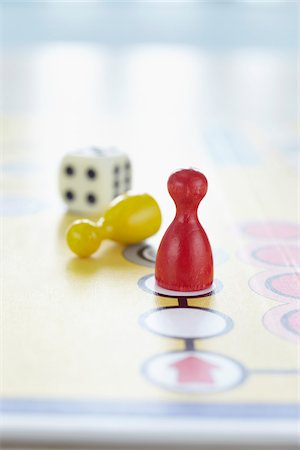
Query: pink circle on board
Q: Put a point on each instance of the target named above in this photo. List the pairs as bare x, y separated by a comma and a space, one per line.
278, 255
292, 321
277, 285
276, 320
286, 284
272, 230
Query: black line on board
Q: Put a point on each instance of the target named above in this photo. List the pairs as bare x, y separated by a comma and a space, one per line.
182, 302
189, 344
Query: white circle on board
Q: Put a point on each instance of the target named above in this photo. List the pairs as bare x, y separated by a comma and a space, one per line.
151, 284
194, 372
186, 323
142, 254
149, 253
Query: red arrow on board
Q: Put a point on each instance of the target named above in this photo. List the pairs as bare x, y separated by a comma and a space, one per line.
194, 370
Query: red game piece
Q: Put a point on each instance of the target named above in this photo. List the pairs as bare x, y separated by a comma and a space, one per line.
184, 259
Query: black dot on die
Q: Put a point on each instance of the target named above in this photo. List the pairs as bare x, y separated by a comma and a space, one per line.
91, 198
127, 180
91, 173
116, 170
69, 170
69, 195
116, 184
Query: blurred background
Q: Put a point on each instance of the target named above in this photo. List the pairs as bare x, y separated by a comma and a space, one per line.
150, 77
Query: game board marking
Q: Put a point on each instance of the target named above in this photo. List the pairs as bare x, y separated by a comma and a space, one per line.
28, 406
276, 321
281, 284
291, 323
259, 284
271, 256
190, 322
194, 371
189, 344
283, 256
182, 302
286, 284
147, 284
148, 253
272, 230
142, 254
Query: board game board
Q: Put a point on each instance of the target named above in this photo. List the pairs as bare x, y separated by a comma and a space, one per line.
93, 354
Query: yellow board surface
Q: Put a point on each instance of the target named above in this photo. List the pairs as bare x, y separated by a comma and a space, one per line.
79, 329
71, 326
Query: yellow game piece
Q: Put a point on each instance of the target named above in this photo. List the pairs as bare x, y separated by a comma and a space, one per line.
84, 237
129, 219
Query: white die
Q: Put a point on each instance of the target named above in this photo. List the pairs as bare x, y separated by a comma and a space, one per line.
91, 178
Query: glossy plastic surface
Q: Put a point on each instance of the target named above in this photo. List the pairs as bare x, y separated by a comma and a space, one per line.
184, 260
129, 219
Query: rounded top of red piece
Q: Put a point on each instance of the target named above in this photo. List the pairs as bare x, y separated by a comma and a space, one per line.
188, 186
